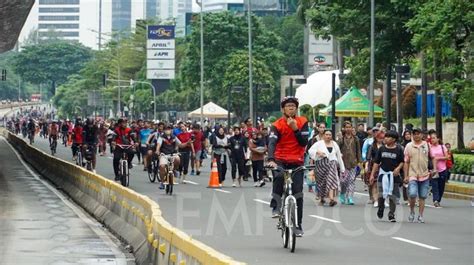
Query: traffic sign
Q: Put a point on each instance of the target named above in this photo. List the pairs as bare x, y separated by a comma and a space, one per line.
160, 74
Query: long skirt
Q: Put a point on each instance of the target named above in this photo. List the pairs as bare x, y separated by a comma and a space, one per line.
327, 176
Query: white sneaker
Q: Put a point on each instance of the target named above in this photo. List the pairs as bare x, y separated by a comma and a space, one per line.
256, 184
234, 184
220, 185
386, 204
376, 204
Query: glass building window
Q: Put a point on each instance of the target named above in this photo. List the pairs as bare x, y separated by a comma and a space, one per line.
58, 2
59, 9
56, 18
59, 34
58, 26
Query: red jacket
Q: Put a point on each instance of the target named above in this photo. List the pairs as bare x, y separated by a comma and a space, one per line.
288, 146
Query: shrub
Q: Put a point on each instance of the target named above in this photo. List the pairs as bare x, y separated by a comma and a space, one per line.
463, 164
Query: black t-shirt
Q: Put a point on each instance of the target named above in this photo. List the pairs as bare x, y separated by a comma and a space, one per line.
389, 158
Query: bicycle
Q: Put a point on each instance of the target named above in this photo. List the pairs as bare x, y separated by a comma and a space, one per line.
53, 145
124, 170
168, 180
287, 221
31, 137
79, 158
153, 168
89, 155
64, 137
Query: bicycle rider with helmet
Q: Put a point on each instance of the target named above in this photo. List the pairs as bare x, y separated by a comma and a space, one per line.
287, 142
91, 136
77, 138
53, 131
123, 135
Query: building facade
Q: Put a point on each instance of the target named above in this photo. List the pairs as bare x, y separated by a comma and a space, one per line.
59, 18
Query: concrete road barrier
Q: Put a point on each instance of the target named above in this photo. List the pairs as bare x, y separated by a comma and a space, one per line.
133, 217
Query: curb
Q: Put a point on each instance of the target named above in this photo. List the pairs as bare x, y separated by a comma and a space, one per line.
462, 178
460, 190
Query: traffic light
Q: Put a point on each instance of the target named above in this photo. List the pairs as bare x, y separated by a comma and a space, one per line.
4, 74
104, 80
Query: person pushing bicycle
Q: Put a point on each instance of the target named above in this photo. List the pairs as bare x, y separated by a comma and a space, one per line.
287, 142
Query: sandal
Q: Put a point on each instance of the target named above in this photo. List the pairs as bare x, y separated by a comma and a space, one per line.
332, 203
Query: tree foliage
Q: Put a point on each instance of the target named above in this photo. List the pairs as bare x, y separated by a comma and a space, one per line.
226, 61
349, 22
51, 62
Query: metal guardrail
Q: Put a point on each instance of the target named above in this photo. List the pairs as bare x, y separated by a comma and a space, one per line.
16, 105
133, 217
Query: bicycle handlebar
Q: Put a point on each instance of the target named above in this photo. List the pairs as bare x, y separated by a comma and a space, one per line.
293, 170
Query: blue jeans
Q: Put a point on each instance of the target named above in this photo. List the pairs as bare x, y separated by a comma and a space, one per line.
418, 189
438, 184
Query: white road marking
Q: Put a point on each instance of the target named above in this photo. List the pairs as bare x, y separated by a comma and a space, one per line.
416, 243
262, 201
191, 182
326, 219
361, 194
224, 191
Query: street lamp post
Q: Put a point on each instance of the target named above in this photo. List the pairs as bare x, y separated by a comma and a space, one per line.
372, 65
200, 3
250, 61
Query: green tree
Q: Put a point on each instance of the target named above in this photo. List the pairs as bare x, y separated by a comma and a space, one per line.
291, 31
442, 28
349, 23
9, 87
225, 43
50, 63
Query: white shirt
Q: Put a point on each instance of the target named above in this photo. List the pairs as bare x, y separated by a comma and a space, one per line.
335, 155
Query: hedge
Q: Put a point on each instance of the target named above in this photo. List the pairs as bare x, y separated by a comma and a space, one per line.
463, 164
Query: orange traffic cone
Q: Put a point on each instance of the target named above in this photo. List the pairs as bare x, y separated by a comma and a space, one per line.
214, 179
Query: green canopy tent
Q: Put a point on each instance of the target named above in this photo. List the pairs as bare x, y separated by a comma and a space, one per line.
352, 104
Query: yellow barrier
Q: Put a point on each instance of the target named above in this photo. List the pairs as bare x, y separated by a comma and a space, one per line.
131, 216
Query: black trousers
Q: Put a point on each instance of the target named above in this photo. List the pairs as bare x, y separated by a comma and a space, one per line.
118, 152
297, 189
221, 166
238, 162
184, 162
257, 168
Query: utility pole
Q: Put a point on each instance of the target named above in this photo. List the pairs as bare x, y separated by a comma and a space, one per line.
202, 67
100, 25
372, 63
250, 62
388, 96
424, 96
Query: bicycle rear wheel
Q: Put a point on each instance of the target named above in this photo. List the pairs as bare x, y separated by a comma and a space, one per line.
292, 225
125, 173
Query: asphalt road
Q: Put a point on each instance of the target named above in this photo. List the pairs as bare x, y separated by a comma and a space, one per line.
236, 221
39, 225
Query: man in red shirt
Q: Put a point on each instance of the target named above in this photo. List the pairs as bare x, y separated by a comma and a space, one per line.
123, 137
77, 138
287, 143
185, 138
249, 127
198, 144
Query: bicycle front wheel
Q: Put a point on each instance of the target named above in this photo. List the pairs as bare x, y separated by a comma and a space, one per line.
291, 226
151, 172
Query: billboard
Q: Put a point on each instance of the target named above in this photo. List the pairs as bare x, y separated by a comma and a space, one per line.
160, 52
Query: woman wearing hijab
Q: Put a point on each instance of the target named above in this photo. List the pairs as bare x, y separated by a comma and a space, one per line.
328, 158
220, 145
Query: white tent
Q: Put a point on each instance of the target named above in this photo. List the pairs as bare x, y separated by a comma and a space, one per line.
317, 89
210, 110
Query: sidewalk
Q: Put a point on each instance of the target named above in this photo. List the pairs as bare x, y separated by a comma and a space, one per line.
41, 226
